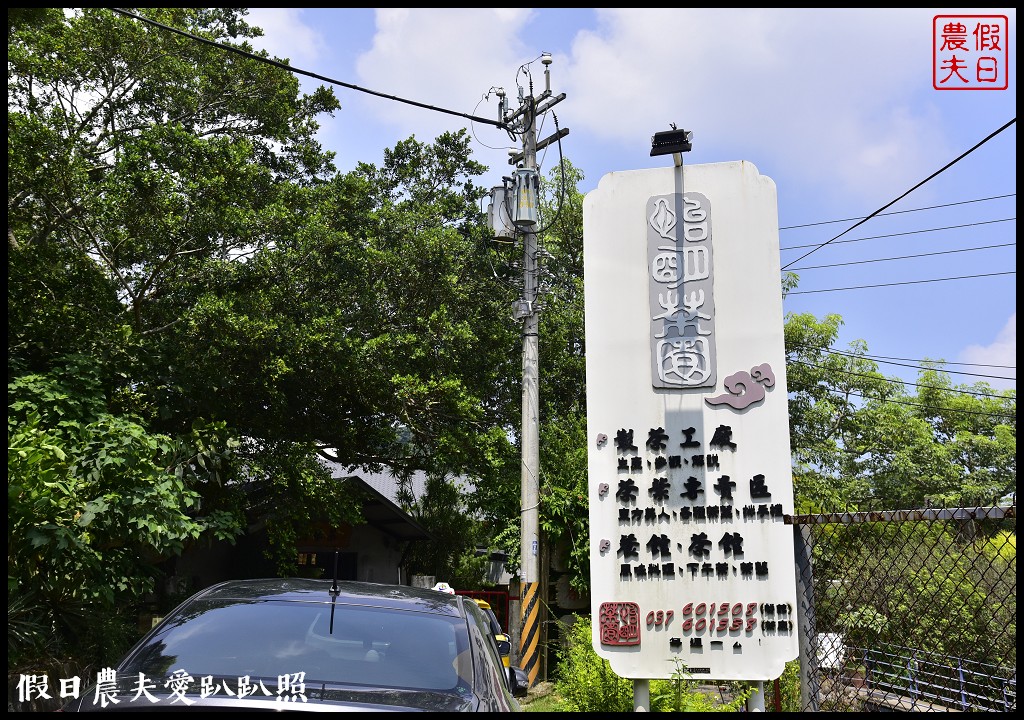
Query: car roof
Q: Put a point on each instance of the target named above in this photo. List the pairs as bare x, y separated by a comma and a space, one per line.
350, 592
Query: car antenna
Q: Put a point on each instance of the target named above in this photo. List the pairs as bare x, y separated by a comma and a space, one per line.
334, 583
334, 591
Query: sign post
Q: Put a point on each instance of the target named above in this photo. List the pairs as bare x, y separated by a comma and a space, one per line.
688, 425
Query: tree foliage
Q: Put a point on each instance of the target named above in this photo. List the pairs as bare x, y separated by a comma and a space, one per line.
860, 439
173, 220
94, 501
200, 307
563, 402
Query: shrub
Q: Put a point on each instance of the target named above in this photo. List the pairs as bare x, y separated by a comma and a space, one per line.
587, 683
585, 680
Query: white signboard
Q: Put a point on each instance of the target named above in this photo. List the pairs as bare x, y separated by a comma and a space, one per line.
692, 566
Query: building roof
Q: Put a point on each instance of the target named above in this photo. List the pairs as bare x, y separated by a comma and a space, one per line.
385, 515
380, 500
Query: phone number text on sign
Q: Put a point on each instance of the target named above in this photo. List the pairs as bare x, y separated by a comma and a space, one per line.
620, 621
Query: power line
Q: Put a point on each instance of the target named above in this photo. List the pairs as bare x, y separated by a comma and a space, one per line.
908, 232
903, 257
893, 202
502, 125
932, 407
904, 382
299, 71
907, 282
898, 212
883, 358
948, 372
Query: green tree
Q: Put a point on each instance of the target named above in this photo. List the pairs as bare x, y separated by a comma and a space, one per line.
860, 439
148, 153
145, 167
374, 334
227, 275
564, 515
172, 217
445, 509
94, 501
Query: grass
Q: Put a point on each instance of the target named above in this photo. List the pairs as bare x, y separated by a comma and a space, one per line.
544, 703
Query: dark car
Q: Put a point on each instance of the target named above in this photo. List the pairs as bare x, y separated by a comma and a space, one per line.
298, 644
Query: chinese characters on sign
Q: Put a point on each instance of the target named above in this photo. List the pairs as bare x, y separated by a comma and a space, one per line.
674, 544
109, 690
970, 52
688, 466
682, 291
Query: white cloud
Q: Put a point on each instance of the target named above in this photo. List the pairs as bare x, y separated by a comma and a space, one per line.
827, 91
443, 57
1002, 351
839, 100
285, 36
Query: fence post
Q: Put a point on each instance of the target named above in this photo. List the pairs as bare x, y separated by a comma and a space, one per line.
963, 684
810, 676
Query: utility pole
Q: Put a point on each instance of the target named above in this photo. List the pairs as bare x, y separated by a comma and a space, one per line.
529, 587
524, 213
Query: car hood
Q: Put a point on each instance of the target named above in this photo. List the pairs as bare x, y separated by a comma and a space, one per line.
317, 699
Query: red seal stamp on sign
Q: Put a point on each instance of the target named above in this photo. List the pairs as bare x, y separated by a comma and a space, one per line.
620, 623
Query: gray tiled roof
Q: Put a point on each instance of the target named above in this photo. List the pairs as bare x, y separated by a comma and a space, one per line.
383, 482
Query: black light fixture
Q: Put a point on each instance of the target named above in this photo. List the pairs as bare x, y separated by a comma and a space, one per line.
671, 141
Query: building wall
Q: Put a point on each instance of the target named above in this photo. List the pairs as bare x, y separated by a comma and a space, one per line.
370, 556
377, 556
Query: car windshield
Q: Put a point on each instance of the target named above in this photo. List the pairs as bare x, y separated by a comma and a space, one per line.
353, 645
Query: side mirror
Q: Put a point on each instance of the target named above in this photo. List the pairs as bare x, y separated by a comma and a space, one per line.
504, 648
519, 682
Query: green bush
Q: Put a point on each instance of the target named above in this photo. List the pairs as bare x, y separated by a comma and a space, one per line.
585, 680
586, 683
681, 693
789, 689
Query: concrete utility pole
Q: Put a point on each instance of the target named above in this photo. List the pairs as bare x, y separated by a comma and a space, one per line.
524, 212
529, 592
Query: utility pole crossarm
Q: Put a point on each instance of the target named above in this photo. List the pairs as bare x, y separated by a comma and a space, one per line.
555, 137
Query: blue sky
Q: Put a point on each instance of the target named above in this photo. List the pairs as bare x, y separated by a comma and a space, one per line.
837, 106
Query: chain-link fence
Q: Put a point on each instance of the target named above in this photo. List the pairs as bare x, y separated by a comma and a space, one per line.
908, 610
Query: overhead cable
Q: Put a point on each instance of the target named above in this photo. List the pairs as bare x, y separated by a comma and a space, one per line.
902, 257
908, 232
299, 71
941, 170
903, 382
948, 372
907, 282
898, 212
914, 360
